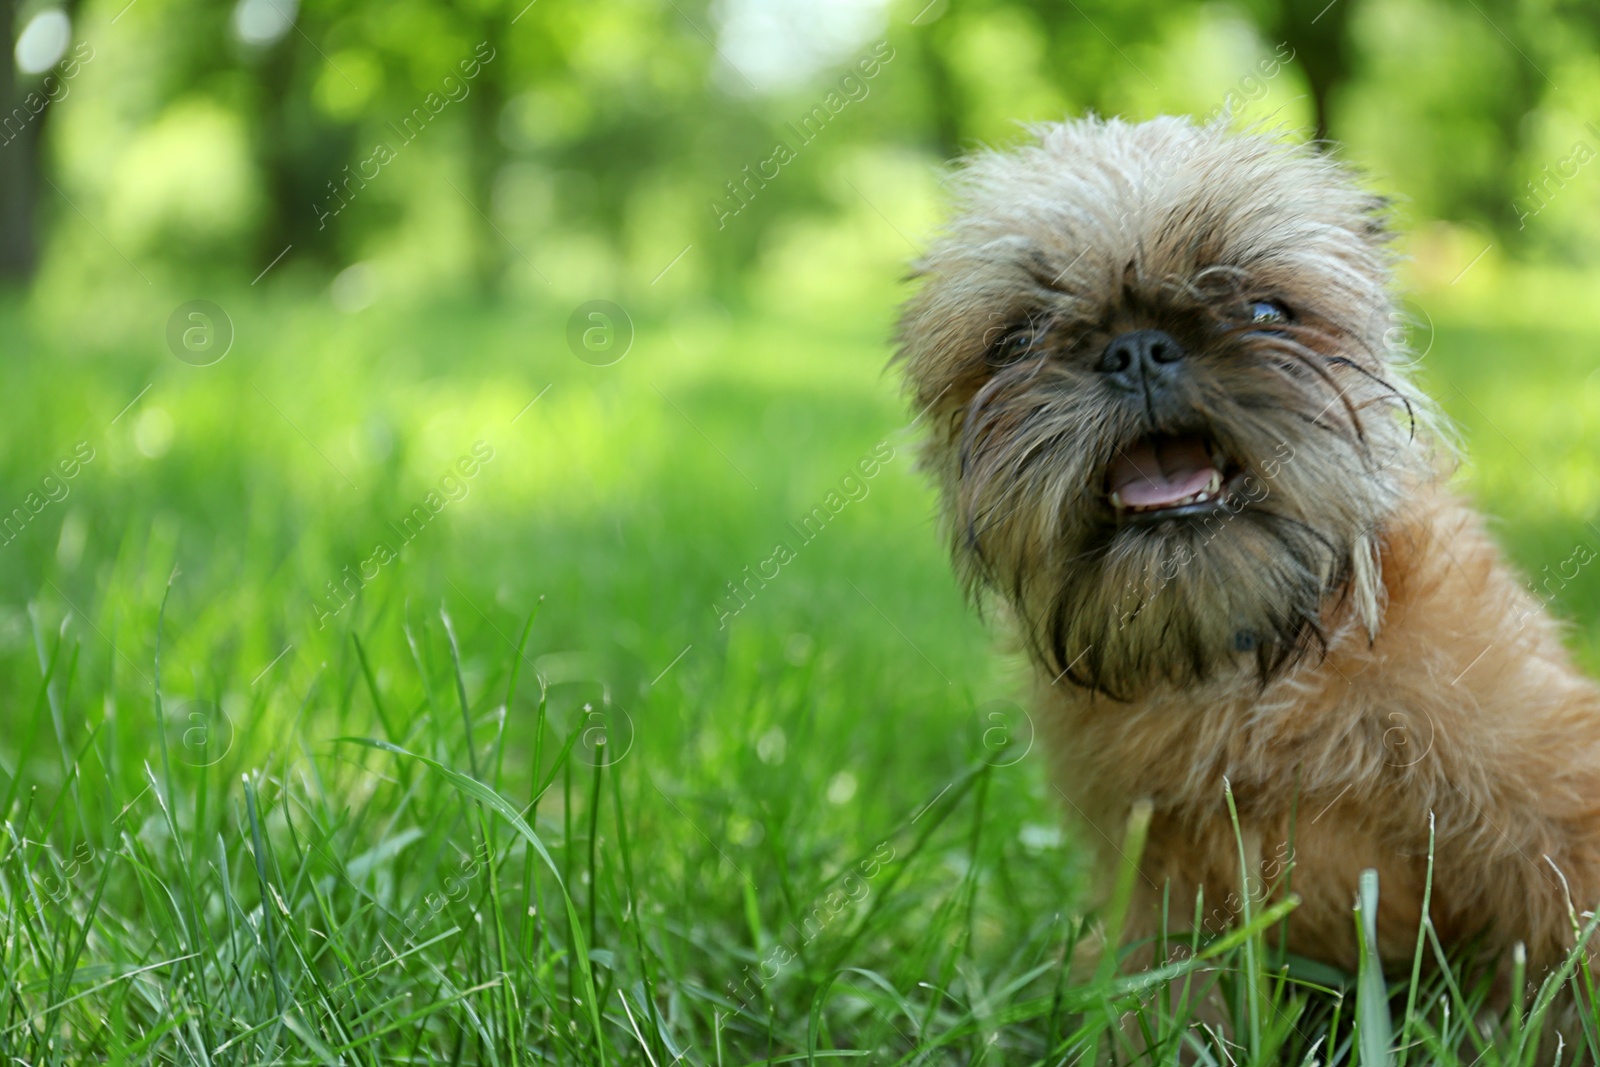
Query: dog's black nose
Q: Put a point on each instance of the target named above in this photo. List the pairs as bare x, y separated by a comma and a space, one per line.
1141, 358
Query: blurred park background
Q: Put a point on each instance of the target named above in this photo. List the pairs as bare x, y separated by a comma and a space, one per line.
354, 333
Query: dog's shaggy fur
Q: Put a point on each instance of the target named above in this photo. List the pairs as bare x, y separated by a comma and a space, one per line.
1333, 634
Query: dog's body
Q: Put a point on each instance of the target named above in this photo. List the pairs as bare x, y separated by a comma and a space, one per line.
1176, 443
1464, 708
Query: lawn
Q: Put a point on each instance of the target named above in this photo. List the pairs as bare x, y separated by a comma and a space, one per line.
402, 688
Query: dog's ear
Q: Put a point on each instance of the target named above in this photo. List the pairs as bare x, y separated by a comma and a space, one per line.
1367, 591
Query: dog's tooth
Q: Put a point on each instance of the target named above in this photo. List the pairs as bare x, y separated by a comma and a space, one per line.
1116, 500
1215, 483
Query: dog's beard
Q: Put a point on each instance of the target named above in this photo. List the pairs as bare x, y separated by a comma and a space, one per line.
1314, 451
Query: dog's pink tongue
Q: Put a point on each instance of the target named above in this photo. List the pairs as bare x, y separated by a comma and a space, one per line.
1157, 472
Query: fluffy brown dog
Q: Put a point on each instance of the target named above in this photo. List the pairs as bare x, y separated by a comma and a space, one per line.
1177, 445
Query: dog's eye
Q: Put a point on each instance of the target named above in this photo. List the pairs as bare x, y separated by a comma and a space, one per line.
1013, 345
1268, 313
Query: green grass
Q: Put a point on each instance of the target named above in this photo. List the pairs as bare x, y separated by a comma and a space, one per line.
523, 800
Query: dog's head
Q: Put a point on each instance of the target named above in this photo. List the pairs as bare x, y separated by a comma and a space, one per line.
1167, 403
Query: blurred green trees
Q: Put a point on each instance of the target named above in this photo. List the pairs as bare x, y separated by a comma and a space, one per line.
597, 141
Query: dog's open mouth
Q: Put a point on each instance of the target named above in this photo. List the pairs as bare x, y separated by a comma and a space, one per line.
1161, 477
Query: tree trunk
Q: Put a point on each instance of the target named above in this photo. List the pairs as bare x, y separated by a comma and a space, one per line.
19, 162
1318, 31
303, 160
944, 97
486, 154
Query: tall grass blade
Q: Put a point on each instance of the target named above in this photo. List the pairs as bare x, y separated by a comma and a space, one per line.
1376, 1033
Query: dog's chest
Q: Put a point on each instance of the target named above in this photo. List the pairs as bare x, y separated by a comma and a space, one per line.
1318, 860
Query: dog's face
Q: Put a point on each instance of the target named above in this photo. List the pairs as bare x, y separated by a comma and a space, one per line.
1167, 412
